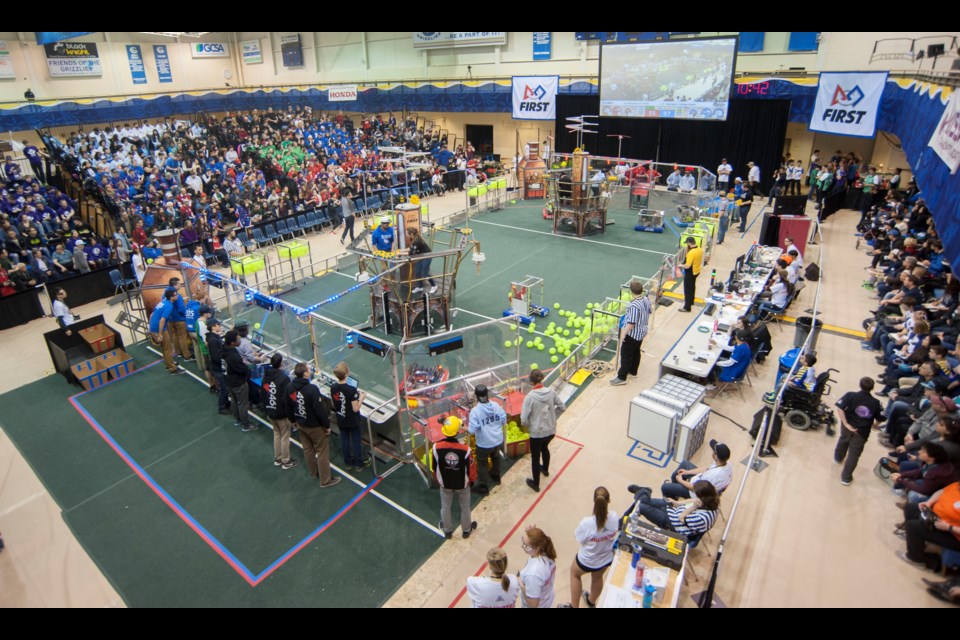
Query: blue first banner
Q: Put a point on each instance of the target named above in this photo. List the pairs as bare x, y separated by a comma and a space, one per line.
135, 57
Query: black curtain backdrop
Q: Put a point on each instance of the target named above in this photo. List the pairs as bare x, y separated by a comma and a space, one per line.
754, 131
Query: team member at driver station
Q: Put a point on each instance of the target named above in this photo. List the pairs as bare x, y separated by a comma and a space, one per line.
383, 236
486, 423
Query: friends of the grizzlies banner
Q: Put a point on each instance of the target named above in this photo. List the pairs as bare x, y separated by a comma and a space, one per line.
847, 103
71, 59
535, 97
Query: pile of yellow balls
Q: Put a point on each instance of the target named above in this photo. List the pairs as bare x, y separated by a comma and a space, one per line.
571, 332
514, 434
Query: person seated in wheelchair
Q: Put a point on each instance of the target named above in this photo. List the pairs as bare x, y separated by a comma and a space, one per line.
734, 367
805, 379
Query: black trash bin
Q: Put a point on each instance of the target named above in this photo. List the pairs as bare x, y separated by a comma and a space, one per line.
805, 325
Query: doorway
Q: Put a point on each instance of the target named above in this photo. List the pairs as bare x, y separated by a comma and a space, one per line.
481, 135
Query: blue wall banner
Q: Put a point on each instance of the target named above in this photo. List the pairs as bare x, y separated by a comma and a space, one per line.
163, 62
848, 103
135, 58
541, 45
45, 37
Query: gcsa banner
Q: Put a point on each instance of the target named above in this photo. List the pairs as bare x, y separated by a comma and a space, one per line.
847, 103
209, 50
535, 97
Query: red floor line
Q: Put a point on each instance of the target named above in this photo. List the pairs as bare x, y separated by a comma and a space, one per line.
540, 497
570, 441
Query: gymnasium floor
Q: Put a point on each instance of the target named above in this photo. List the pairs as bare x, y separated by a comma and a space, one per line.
798, 539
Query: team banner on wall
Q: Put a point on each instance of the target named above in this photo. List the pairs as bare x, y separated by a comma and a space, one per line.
541, 45
162, 56
946, 137
135, 58
437, 39
6, 65
209, 50
251, 52
535, 97
72, 59
847, 103
342, 93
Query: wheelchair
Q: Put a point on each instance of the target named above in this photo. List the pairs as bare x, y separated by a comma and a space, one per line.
803, 410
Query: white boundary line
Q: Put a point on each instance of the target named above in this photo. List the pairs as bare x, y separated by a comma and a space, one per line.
552, 235
412, 516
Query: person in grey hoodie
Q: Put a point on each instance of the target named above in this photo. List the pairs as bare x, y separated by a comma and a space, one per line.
539, 413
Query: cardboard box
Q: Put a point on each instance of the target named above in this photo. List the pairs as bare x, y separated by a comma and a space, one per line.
117, 363
100, 337
90, 373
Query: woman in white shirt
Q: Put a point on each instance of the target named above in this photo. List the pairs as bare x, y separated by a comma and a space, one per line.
538, 576
596, 535
497, 590
136, 260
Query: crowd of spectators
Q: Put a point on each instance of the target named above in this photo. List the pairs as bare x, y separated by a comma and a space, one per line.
44, 238
915, 331
241, 169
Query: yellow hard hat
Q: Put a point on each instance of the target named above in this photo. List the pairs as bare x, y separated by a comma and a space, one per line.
451, 426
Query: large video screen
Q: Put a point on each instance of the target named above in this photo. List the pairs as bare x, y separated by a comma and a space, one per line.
678, 79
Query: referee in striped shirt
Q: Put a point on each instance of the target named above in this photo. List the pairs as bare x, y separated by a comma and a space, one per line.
637, 319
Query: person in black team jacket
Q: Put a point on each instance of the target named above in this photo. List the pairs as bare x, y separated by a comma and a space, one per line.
238, 374
346, 404
313, 424
214, 340
274, 383
455, 470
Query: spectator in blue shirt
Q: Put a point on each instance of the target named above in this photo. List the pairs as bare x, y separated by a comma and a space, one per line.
36, 160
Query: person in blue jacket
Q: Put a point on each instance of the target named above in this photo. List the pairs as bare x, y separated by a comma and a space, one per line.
178, 323
486, 423
736, 365
161, 332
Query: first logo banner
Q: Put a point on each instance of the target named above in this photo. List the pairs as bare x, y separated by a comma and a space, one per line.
848, 103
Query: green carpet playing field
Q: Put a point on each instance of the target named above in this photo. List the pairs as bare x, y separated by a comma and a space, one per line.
225, 482
179, 508
517, 242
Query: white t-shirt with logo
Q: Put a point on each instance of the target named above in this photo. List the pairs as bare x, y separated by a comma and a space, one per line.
538, 577
596, 547
488, 593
